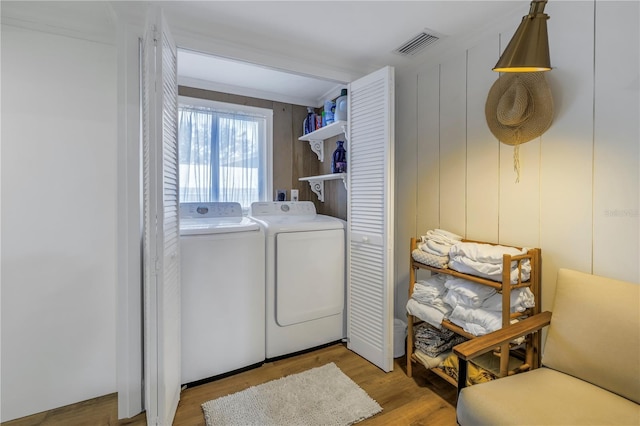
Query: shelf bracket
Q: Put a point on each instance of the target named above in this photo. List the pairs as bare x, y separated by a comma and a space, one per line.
317, 182
346, 135
317, 146
317, 186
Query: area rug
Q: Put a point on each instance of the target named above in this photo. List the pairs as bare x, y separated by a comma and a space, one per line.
320, 396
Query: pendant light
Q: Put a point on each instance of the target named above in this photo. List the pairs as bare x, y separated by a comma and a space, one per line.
528, 50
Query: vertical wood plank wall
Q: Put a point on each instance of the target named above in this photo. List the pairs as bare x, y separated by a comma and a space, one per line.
566, 149
428, 152
483, 150
616, 142
579, 186
453, 142
407, 174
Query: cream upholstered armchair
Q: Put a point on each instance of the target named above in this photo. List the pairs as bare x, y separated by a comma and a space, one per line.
590, 371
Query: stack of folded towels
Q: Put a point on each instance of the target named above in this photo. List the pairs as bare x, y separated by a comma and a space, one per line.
427, 302
485, 260
444, 249
433, 248
474, 307
478, 308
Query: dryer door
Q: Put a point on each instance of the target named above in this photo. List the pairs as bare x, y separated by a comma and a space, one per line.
310, 275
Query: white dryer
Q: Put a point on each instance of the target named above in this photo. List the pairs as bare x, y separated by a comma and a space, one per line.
222, 290
305, 276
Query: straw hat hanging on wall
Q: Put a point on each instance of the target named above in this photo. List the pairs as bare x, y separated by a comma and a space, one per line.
519, 108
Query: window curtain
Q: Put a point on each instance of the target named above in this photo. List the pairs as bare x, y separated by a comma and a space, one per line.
219, 155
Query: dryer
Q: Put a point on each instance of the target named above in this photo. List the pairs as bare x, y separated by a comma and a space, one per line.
222, 290
305, 276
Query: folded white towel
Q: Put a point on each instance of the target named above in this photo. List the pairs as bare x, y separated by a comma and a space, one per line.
484, 253
454, 299
442, 237
521, 299
439, 238
434, 248
447, 234
465, 292
441, 248
432, 314
479, 322
491, 271
426, 294
438, 242
476, 321
470, 327
425, 248
435, 282
478, 330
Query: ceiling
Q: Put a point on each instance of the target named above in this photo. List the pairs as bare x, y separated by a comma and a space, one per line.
351, 38
325, 44
242, 78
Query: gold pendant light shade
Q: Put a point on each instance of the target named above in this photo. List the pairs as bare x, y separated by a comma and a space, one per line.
528, 50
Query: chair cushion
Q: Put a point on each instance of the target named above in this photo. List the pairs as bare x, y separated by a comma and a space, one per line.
543, 397
595, 332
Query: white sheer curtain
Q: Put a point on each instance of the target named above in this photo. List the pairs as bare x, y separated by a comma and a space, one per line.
221, 155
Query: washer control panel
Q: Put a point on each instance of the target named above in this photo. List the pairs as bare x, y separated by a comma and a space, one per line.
210, 210
276, 208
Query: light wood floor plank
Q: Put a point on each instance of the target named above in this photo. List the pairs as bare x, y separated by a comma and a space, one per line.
424, 399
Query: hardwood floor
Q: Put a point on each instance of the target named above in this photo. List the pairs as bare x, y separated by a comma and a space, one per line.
424, 399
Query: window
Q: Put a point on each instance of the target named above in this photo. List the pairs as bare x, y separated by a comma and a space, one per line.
224, 152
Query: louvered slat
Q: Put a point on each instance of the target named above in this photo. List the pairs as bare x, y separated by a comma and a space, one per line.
366, 299
171, 342
149, 225
370, 288
161, 226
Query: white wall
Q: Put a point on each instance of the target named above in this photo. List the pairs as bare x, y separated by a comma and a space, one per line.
577, 198
58, 220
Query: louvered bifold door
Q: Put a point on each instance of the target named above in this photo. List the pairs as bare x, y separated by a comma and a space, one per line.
161, 226
370, 218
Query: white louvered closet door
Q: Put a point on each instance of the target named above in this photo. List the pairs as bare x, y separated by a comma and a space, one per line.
161, 227
370, 218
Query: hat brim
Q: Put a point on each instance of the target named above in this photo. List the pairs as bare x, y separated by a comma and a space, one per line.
539, 121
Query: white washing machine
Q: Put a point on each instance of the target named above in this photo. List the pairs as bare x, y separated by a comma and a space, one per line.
222, 290
305, 276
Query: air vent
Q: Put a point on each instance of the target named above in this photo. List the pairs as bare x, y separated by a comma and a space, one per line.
416, 44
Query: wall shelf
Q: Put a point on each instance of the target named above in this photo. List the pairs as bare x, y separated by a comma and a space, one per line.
317, 182
317, 137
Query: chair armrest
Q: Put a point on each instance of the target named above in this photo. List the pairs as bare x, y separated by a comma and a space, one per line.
483, 344
475, 347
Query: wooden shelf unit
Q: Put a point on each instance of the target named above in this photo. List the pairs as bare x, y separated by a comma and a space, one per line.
526, 358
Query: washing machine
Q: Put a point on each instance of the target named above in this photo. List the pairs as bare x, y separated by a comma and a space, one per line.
222, 255
305, 276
